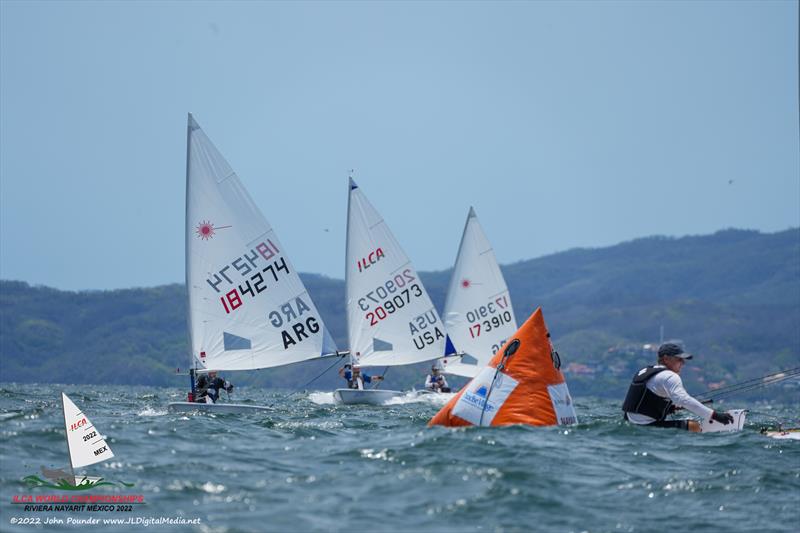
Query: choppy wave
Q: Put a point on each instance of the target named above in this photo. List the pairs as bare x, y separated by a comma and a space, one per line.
313, 465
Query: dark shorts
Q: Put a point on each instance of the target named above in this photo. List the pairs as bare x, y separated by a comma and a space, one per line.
674, 424
677, 424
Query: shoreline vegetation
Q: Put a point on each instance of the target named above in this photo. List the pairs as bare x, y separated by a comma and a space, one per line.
732, 298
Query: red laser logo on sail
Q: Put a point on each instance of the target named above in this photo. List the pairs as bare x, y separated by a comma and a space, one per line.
205, 230
465, 283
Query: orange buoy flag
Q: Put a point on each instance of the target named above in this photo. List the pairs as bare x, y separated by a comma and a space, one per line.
521, 385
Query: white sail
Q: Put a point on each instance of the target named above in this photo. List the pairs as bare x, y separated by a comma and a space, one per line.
477, 313
390, 317
86, 445
248, 308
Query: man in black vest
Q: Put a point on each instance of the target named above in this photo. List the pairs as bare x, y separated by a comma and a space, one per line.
657, 391
208, 386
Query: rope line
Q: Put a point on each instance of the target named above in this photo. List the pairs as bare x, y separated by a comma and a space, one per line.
335, 362
752, 384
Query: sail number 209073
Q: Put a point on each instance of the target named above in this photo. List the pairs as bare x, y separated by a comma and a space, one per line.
391, 296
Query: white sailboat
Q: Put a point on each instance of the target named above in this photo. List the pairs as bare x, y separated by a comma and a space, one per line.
478, 314
85, 444
247, 307
390, 317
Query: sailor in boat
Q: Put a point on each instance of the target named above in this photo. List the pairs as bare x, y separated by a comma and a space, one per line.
657, 391
208, 387
355, 378
435, 382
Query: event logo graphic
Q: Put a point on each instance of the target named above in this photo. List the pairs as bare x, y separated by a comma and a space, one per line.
59, 479
86, 447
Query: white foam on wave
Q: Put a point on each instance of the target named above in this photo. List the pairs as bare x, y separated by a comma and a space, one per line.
149, 411
322, 398
437, 399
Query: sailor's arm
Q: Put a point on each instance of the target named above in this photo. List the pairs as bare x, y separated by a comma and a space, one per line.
681, 398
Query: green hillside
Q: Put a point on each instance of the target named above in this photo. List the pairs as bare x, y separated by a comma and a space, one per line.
732, 297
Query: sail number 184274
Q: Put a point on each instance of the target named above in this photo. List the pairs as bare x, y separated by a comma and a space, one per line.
233, 298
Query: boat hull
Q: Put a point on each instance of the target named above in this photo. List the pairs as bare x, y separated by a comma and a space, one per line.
187, 407
709, 426
368, 396
791, 434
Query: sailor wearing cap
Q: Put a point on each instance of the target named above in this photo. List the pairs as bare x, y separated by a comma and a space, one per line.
355, 378
435, 381
657, 391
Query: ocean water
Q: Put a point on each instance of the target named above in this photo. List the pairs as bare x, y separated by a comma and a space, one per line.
311, 465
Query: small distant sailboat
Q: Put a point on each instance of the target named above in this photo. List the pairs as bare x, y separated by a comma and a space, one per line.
247, 307
85, 444
477, 314
781, 433
391, 319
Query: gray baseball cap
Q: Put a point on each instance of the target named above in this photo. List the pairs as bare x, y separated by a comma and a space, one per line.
673, 350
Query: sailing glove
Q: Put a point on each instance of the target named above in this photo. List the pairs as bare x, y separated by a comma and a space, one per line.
722, 417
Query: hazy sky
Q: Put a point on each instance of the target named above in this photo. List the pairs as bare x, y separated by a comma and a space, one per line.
564, 124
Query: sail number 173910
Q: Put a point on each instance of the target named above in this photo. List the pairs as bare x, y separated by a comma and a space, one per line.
489, 324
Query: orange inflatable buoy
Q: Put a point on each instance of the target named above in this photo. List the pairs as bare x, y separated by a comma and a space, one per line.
522, 384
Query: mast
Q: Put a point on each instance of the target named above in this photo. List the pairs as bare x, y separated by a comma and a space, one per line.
192, 362
350, 186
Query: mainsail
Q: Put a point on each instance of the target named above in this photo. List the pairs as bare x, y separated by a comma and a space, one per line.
390, 317
248, 307
477, 313
86, 445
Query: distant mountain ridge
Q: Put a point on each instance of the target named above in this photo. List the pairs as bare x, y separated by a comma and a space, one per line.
732, 297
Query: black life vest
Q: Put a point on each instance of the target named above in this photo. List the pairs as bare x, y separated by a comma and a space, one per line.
643, 401
201, 389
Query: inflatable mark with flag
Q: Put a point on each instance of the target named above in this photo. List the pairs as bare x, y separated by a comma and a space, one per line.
522, 384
